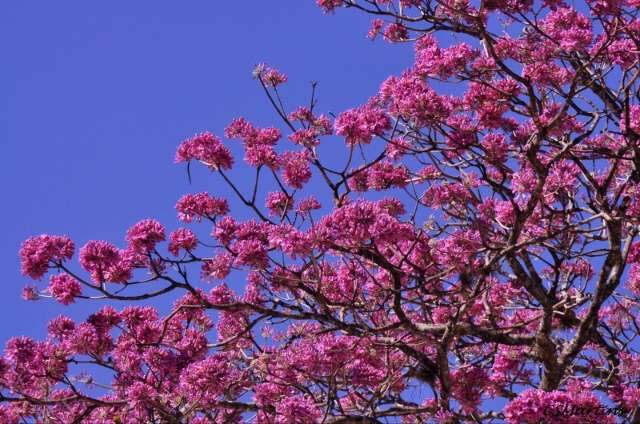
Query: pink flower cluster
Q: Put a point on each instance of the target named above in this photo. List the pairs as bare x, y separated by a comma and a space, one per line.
208, 380
313, 127
105, 262
64, 288
279, 203
361, 124
329, 5
206, 148
360, 222
218, 267
556, 407
381, 176
144, 235
258, 143
569, 28
395, 33
182, 239
433, 61
38, 253
634, 120
296, 170
200, 205
468, 386
408, 97
269, 76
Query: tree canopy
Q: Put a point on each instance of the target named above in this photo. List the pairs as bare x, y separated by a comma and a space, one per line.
463, 247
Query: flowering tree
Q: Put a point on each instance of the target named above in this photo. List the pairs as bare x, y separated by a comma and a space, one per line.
470, 256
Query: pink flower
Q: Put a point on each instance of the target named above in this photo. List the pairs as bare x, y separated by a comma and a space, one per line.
38, 252
258, 143
139, 394
144, 235
448, 194
468, 385
409, 98
105, 262
302, 114
496, 147
64, 288
225, 229
200, 205
384, 175
279, 203
206, 148
433, 61
307, 205
396, 32
459, 249
269, 76
305, 137
30, 293
251, 253
203, 382
619, 315
261, 154
490, 102
84, 339
392, 206
633, 280
534, 406
218, 267
509, 6
506, 363
222, 295
239, 128
634, 120
296, 171
578, 268
329, 5
544, 74
182, 239
359, 180
358, 222
105, 319
397, 148
250, 135
375, 29
631, 397
562, 180
21, 349
297, 409
359, 125
290, 240
429, 172
568, 28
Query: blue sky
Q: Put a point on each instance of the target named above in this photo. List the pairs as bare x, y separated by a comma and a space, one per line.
97, 95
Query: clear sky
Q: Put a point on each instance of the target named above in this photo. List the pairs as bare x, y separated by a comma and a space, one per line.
97, 95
